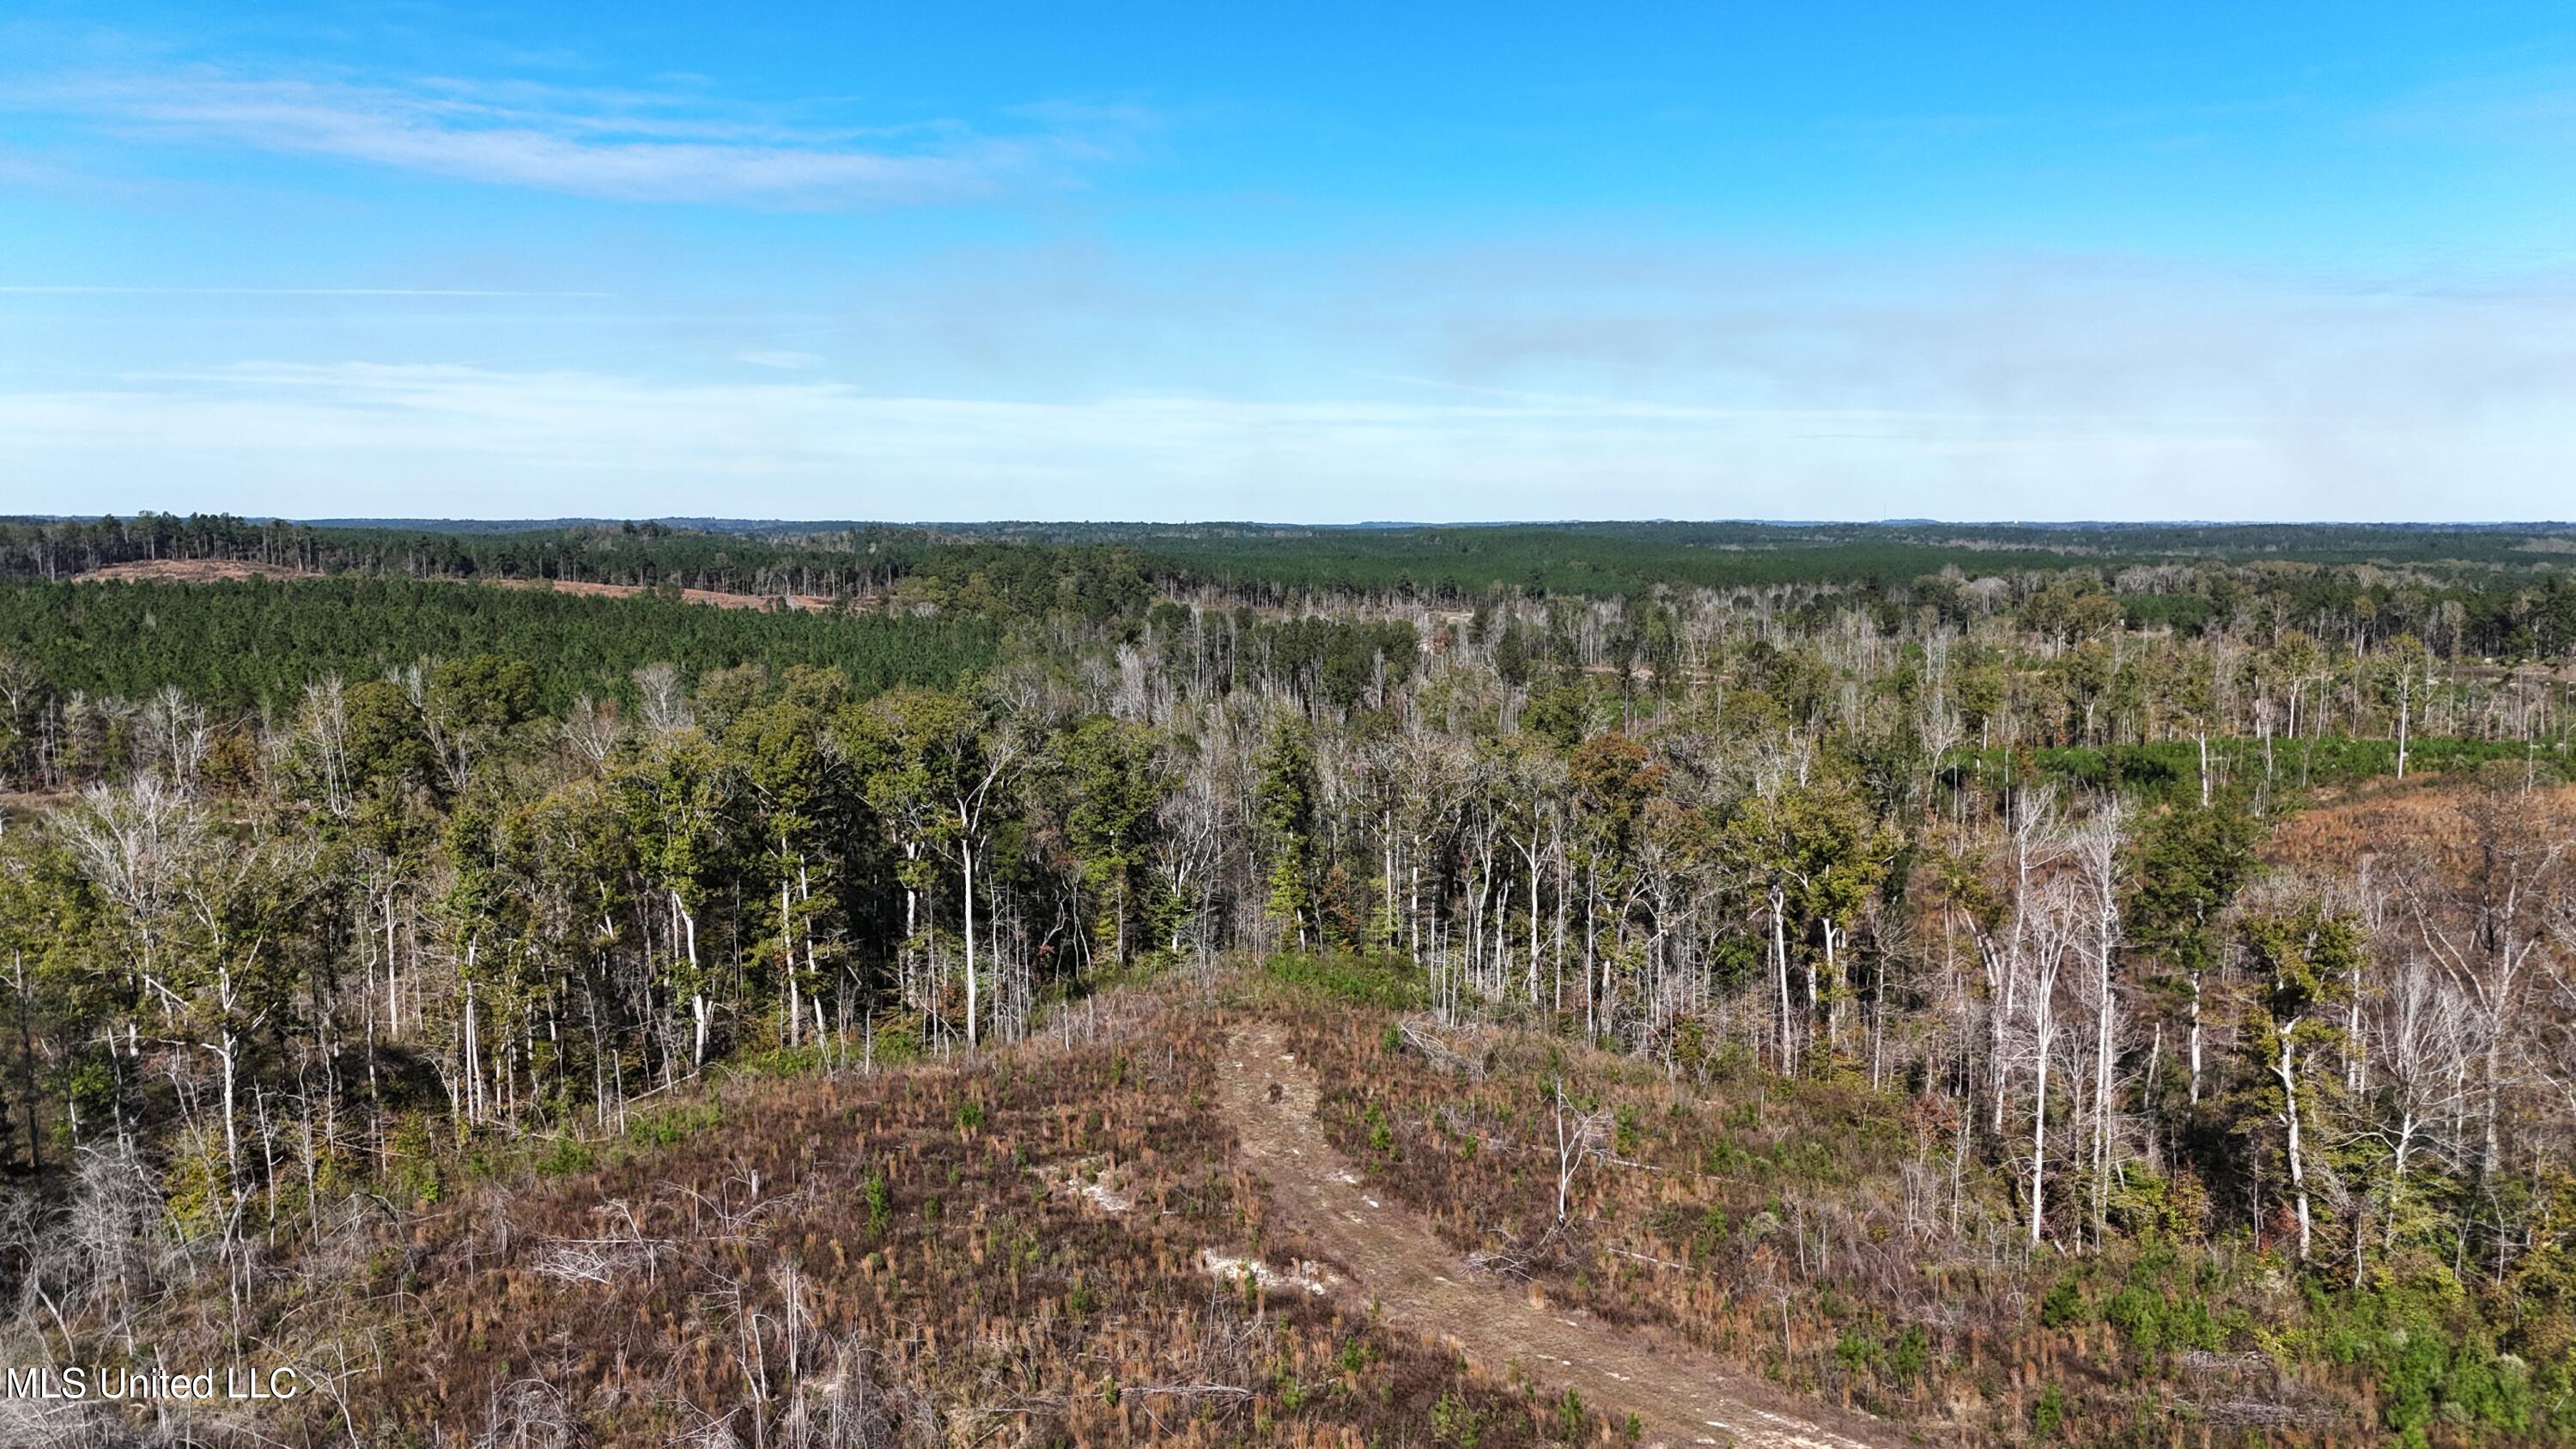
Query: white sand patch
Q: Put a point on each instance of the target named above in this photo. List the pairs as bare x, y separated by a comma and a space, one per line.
1312, 1278
1092, 1180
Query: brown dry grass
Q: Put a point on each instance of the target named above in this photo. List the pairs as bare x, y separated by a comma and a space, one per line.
1800, 1228
811, 603
187, 571
2417, 820
1419, 1282
753, 1274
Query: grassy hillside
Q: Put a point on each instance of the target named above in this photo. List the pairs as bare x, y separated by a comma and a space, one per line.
1014, 1250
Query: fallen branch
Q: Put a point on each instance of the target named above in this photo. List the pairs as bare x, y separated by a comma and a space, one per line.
1417, 1034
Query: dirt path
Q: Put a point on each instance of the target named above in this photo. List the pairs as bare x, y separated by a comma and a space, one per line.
1682, 1397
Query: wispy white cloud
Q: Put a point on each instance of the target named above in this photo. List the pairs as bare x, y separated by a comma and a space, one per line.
19, 167
622, 145
71, 290
290, 439
1511, 383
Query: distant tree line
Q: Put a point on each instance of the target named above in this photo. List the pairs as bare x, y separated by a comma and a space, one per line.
2466, 592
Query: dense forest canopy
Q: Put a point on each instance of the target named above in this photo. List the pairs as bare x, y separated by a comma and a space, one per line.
2155, 940
253, 643
2172, 575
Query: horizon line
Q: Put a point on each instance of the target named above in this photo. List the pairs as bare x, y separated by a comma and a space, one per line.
708, 522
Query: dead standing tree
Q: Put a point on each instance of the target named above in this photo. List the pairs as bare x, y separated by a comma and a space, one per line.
2486, 921
2053, 934
2421, 1033
1580, 1138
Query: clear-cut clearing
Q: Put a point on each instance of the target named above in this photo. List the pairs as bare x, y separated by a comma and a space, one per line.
1393, 1260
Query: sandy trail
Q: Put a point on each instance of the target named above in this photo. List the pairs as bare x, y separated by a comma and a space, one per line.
1681, 1396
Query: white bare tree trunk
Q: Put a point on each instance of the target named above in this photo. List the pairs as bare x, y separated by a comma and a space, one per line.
2284, 1067
966, 852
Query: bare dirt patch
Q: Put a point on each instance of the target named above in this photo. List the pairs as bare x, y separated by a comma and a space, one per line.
1393, 1261
1093, 1180
187, 571
810, 603
208, 571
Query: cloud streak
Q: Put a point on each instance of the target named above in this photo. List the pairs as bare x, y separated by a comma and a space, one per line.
288, 439
609, 145
72, 290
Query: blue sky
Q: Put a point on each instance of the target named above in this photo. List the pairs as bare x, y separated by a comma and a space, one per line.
1437, 262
